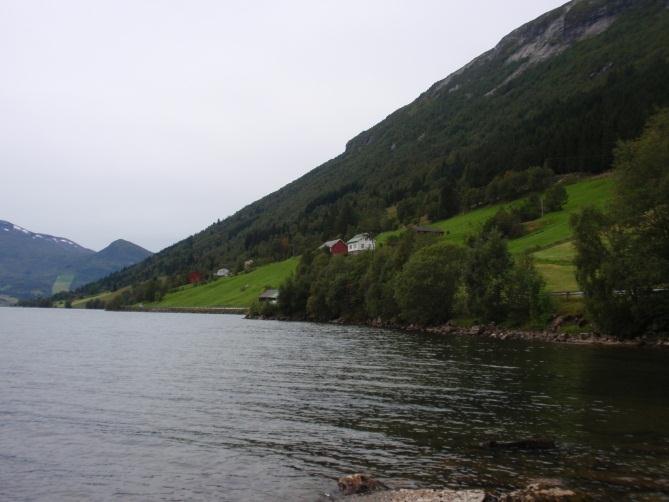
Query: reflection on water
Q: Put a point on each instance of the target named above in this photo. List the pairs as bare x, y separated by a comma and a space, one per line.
170, 406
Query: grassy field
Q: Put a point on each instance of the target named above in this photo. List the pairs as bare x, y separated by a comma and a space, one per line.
105, 297
548, 238
554, 228
62, 283
237, 291
556, 264
551, 229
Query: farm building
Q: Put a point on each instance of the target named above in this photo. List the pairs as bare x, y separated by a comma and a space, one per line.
336, 247
427, 230
361, 243
269, 296
223, 272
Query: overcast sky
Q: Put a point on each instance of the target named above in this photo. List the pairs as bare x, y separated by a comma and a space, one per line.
148, 120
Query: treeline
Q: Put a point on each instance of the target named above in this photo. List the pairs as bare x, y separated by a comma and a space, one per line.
623, 253
416, 279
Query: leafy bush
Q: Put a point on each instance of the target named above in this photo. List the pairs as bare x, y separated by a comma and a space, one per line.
499, 289
555, 198
426, 286
507, 223
485, 276
524, 294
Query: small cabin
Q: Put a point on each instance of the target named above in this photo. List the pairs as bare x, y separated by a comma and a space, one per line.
336, 247
269, 296
427, 230
223, 272
361, 243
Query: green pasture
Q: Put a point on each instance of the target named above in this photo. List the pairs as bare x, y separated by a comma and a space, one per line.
62, 283
237, 291
548, 238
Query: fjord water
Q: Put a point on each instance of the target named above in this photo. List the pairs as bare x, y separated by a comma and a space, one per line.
98, 405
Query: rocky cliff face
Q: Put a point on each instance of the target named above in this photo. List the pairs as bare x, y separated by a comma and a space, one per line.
545, 37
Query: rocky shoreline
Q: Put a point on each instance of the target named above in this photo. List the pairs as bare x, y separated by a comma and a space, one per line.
557, 336
360, 487
554, 333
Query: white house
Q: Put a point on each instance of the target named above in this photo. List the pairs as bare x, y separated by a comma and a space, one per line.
222, 272
360, 243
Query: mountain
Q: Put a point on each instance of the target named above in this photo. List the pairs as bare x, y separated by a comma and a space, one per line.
118, 255
558, 92
33, 264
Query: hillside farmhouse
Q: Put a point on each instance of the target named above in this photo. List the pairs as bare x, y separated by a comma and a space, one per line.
336, 247
223, 272
361, 243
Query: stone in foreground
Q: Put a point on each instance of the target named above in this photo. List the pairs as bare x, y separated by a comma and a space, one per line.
542, 492
358, 483
426, 496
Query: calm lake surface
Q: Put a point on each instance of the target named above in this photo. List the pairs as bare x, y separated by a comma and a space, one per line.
99, 405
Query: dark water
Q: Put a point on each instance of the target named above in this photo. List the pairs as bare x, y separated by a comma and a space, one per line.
97, 405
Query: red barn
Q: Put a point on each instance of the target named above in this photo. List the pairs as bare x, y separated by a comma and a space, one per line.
195, 277
336, 247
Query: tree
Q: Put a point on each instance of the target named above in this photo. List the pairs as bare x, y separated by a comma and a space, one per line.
427, 284
449, 201
623, 256
507, 223
530, 209
616, 277
486, 274
524, 293
555, 198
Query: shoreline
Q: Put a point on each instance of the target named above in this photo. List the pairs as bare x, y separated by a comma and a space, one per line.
491, 331
188, 310
553, 334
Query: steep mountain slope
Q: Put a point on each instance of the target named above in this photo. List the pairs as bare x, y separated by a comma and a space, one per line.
560, 92
33, 264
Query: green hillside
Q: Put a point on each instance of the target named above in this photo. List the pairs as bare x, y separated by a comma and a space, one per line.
548, 235
237, 291
558, 92
554, 260
62, 283
80, 303
551, 229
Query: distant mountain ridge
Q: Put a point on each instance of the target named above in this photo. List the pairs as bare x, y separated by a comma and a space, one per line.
36, 264
559, 92
118, 255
